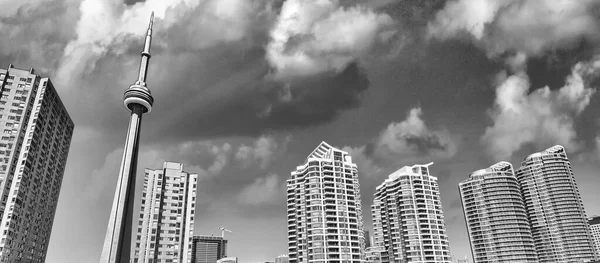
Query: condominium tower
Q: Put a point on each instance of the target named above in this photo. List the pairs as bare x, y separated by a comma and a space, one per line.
35, 141
595, 229
558, 222
324, 209
166, 221
408, 221
208, 249
496, 218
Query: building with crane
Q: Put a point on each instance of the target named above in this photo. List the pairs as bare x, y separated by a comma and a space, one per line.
209, 249
223, 230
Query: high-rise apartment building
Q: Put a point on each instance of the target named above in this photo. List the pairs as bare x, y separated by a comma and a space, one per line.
324, 209
496, 218
408, 221
558, 222
208, 249
282, 259
166, 221
35, 141
595, 229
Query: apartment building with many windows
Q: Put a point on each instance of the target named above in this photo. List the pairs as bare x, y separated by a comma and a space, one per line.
166, 221
408, 221
595, 229
34, 145
496, 217
324, 209
208, 249
558, 221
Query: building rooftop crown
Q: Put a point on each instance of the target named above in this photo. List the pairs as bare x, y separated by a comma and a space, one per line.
551, 150
501, 166
326, 151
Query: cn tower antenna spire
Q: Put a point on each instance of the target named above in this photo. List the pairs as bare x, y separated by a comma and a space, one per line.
146, 53
138, 100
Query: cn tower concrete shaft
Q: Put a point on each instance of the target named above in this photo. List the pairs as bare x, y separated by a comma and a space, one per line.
117, 243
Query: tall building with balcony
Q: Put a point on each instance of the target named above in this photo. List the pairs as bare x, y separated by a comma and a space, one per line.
208, 249
324, 209
166, 221
558, 222
34, 145
496, 217
595, 229
408, 222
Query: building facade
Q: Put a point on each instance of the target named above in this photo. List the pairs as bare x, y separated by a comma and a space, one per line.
408, 221
324, 209
595, 229
282, 259
228, 260
208, 249
374, 254
496, 217
34, 145
558, 222
166, 221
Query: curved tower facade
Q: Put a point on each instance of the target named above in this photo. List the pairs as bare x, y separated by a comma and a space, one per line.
137, 100
408, 221
558, 222
496, 217
324, 209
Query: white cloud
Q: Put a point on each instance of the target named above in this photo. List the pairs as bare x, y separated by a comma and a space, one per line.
221, 155
312, 37
412, 138
263, 151
105, 24
12, 8
529, 26
542, 117
405, 142
264, 190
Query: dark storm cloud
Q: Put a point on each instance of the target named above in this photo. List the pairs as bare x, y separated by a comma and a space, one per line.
208, 73
238, 98
35, 35
133, 2
552, 68
425, 144
414, 14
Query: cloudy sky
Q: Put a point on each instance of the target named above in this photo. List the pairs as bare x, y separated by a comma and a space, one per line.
244, 90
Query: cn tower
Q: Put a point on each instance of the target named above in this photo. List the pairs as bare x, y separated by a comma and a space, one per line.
138, 100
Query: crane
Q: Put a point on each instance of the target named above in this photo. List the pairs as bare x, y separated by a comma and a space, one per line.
223, 230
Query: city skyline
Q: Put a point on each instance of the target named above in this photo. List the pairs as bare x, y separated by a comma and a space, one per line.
246, 89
